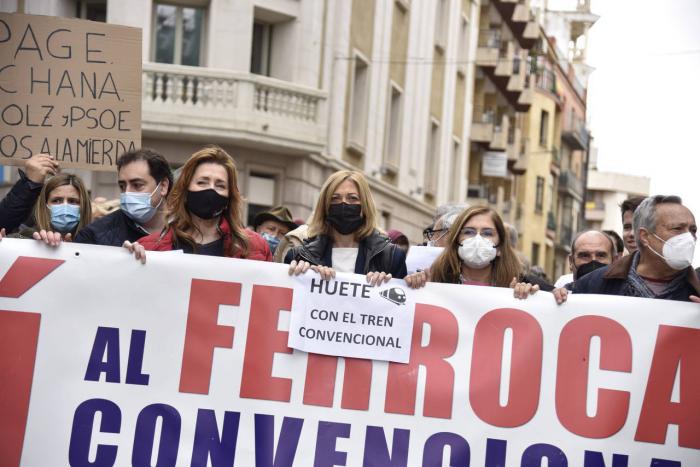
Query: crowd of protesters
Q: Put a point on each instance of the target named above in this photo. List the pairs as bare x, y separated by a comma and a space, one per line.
200, 212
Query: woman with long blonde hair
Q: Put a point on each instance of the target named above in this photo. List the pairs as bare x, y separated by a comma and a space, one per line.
478, 253
204, 213
61, 211
343, 234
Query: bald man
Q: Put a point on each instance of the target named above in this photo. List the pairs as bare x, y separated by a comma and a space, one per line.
590, 250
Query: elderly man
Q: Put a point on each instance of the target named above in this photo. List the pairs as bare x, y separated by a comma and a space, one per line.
437, 234
273, 225
627, 209
590, 250
665, 233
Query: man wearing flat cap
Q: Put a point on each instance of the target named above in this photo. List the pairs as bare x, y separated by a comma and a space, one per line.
273, 225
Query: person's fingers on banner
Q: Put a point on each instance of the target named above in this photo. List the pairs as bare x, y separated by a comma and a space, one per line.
513, 283
417, 280
68, 237
522, 290
137, 249
325, 272
561, 294
298, 267
48, 237
692, 298
2, 233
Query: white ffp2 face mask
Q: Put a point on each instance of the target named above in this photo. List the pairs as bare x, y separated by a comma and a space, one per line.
678, 251
477, 252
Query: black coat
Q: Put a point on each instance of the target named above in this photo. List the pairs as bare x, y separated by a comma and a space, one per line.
16, 207
111, 230
375, 253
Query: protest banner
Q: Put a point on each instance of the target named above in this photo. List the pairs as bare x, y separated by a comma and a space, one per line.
70, 88
184, 361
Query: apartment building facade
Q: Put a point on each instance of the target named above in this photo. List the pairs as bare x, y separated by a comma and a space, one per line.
296, 89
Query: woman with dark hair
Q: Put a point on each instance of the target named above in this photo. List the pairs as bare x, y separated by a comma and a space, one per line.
204, 213
478, 253
343, 234
62, 209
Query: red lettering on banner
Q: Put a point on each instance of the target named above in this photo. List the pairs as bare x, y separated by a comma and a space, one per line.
203, 333
263, 341
402, 379
320, 381
675, 346
525, 371
572, 376
19, 334
25, 273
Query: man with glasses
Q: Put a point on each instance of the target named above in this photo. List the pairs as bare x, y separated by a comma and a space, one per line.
437, 234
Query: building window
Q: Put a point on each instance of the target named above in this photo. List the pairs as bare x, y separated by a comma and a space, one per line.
393, 131
92, 10
441, 17
535, 259
432, 158
463, 46
178, 33
261, 50
544, 127
456, 172
261, 194
539, 195
359, 94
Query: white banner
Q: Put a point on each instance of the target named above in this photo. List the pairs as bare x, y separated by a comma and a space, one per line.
184, 361
347, 317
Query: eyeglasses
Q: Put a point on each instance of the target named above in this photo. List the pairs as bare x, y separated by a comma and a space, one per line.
429, 233
470, 232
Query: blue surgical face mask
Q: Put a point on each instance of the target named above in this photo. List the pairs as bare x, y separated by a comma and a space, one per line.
271, 240
138, 205
64, 217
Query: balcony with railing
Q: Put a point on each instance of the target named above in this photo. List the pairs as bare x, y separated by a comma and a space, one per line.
227, 106
514, 142
518, 77
551, 225
574, 133
488, 48
482, 124
506, 54
570, 184
595, 211
546, 80
519, 18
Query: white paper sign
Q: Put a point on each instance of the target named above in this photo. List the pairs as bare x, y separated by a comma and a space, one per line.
494, 164
421, 257
347, 317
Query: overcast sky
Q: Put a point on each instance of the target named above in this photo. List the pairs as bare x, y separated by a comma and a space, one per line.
644, 96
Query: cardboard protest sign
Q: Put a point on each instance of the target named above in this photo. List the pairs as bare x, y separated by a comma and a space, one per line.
70, 88
184, 361
349, 318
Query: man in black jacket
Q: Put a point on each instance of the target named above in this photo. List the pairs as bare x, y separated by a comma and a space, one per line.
145, 179
17, 206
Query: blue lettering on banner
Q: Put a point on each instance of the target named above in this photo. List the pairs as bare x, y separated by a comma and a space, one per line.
326, 454
81, 434
265, 455
145, 433
207, 441
377, 452
595, 459
532, 457
435, 447
104, 357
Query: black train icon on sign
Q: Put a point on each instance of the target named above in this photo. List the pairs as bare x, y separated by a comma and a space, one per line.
395, 295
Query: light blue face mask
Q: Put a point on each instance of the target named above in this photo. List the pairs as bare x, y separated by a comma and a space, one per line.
138, 205
64, 217
271, 240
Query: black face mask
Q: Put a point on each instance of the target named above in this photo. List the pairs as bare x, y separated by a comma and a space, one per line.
206, 204
345, 218
587, 268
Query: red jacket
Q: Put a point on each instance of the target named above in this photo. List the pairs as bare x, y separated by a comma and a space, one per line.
257, 246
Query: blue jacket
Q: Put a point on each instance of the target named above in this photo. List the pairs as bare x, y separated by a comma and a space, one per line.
16, 207
612, 280
375, 253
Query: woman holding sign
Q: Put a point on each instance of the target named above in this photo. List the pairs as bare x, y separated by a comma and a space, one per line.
62, 209
343, 235
478, 253
204, 213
